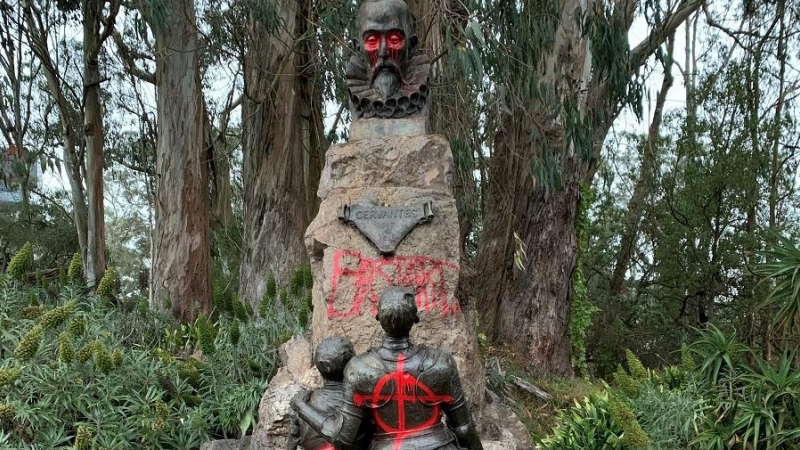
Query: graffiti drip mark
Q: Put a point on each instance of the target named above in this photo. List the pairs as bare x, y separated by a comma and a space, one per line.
426, 275
404, 388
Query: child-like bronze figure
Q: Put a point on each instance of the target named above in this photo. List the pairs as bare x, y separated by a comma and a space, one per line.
401, 389
330, 357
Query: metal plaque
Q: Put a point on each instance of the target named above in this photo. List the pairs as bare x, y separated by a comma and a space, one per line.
386, 226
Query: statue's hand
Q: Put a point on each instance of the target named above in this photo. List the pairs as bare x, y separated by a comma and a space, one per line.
301, 397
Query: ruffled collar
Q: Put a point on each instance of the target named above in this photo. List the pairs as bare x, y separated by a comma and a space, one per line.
409, 100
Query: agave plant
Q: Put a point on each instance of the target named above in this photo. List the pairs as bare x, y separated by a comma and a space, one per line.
768, 415
783, 268
720, 354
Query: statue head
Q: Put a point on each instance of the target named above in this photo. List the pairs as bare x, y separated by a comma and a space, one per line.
387, 36
385, 76
332, 355
397, 311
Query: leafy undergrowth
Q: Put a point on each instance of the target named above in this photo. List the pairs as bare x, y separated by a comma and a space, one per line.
722, 396
539, 416
77, 371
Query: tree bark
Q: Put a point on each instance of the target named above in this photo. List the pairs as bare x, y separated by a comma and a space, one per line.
282, 128
219, 173
95, 261
69, 115
529, 309
181, 278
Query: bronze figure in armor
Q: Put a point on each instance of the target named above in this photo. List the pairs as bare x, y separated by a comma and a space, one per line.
401, 388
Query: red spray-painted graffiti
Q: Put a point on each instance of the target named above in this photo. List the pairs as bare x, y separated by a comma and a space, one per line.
426, 275
402, 388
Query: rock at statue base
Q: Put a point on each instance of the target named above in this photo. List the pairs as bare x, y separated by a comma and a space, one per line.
297, 373
228, 444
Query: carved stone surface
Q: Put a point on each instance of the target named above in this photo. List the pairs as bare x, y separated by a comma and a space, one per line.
386, 226
381, 128
274, 413
416, 162
350, 273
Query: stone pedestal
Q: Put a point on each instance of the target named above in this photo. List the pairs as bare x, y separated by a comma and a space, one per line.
350, 273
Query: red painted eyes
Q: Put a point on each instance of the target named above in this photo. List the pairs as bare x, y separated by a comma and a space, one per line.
372, 42
394, 41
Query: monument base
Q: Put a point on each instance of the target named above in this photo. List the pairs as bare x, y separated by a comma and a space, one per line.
376, 128
498, 426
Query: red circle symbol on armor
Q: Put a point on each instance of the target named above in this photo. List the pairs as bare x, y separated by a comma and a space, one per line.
402, 388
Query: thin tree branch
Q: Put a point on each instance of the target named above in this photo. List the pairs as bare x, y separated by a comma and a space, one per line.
641, 52
126, 54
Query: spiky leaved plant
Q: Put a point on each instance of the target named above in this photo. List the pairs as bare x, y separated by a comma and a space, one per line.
7, 412
57, 316
83, 438
66, 350
239, 310
117, 358
205, 334
234, 333
635, 366
634, 437
86, 351
9, 376
102, 358
688, 363
77, 326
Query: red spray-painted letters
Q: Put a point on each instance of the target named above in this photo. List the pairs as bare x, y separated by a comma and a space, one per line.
356, 273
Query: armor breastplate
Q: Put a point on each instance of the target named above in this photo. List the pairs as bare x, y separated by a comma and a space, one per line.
406, 403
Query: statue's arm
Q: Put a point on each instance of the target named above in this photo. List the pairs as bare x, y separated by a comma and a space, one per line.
294, 434
340, 428
459, 417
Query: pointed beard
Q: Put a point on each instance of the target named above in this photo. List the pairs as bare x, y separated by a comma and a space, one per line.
386, 83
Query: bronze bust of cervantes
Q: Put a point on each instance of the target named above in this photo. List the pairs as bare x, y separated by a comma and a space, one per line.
386, 78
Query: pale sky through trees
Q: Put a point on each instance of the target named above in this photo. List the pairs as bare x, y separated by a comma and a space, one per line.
219, 79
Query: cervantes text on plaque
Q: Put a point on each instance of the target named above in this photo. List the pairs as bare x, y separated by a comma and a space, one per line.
386, 226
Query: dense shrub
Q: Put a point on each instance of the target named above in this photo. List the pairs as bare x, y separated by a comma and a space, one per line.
82, 373
722, 402
589, 426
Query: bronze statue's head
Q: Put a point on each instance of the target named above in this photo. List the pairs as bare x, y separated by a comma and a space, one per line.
387, 36
397, 311
332, 355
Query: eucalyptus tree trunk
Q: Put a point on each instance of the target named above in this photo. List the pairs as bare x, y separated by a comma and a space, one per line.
181, 280
282, 129
558, 130
95, 260
37, 25
219, 171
